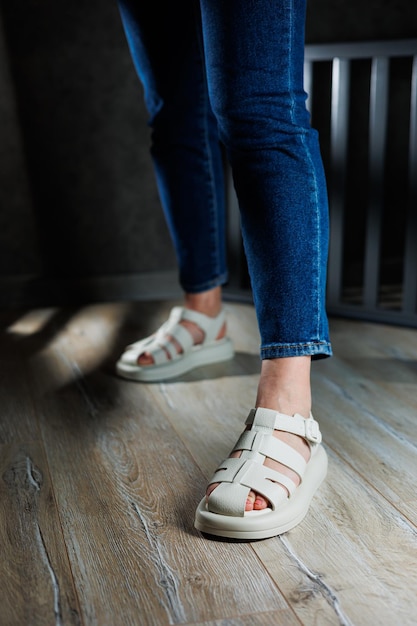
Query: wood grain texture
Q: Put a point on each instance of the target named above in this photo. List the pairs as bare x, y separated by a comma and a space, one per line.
275, 618
128, 491
350, 561
100, 478
372, 428
36, 580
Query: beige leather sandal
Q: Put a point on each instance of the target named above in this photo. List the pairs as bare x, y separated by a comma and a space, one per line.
223, 513
167, 362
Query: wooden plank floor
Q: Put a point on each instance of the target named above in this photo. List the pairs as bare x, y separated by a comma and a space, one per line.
100, 478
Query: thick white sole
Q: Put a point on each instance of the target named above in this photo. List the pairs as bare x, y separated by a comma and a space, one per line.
267, 523
216, 352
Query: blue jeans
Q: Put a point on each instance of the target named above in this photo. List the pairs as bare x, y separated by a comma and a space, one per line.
232, 70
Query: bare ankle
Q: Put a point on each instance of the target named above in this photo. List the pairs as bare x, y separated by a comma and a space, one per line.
206, 302
284, 385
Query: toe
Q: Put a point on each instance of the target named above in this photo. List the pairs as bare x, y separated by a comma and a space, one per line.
145, 359
250, 501
260, 503
210, 489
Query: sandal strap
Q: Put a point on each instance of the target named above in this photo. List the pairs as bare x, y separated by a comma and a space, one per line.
267, 420
181, 336
158, 354
161, 345
258, 446
229, 497
169, 348
238, 476
251, 475
210, 325
238, 479
162, 348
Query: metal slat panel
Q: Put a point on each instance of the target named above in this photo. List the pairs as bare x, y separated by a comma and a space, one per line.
235, 258
410, 256
378, 111
337, 182
308, 83
361, 50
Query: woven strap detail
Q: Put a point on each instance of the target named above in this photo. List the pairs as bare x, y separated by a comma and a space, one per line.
258, 446
161, 346
158, 354
250, 474
181, 336
238, 476
246, 475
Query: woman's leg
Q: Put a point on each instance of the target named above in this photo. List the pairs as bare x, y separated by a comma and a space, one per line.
166, 46
254, 57
165, 42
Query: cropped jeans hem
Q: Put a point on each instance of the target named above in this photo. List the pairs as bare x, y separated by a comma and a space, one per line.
218, 281
315, 349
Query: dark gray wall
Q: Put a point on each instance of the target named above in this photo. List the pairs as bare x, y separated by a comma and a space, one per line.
77, 193
356, 20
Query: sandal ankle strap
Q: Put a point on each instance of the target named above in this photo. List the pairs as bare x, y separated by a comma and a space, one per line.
209, 325
265, 420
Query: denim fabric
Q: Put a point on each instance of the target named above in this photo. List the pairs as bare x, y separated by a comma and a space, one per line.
233, 70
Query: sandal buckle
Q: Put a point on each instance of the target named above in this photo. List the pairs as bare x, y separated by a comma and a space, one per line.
312, 431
